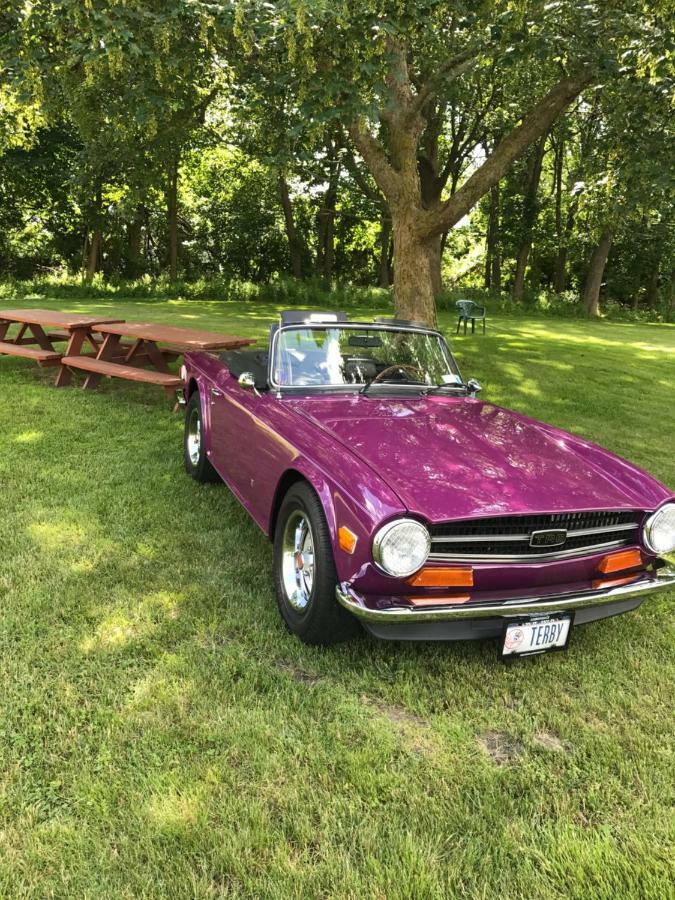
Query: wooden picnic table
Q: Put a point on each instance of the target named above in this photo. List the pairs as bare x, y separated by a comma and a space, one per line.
116, 358
36, 328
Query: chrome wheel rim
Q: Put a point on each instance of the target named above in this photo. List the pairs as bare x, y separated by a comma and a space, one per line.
194, 437
297, 561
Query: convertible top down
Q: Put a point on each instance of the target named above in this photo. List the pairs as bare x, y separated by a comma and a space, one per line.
398, 500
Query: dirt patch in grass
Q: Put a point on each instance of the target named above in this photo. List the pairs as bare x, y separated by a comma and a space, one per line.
298, 674
550, 741
500, 747
414, 730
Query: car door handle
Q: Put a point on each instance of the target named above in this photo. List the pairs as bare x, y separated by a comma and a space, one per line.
216, 393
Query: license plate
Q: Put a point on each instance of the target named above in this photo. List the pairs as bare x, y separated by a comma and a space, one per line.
530, 636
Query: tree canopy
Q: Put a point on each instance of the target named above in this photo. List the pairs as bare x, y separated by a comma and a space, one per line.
523, 144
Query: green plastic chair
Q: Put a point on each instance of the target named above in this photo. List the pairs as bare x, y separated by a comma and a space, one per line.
470, 311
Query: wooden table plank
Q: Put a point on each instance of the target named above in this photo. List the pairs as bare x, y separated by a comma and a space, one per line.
183, 339
42, 357
55, 318
117, 370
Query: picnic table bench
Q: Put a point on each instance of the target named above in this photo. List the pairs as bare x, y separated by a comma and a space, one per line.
109, 347
116, 358
32, 331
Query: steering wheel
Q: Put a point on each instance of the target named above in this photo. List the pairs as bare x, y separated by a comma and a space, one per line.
400, 367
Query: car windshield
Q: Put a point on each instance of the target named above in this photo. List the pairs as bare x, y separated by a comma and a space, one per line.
362, 356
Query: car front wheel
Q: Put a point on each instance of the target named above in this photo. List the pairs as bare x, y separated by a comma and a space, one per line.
304, 571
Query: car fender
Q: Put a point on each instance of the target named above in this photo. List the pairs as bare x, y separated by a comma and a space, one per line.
341, 509
199, 373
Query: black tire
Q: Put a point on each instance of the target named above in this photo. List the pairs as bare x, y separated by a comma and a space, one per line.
323, 621
196, 462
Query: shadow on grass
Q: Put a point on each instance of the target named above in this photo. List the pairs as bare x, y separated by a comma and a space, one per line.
162, 732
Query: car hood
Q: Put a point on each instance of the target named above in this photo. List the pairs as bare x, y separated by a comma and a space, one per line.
460, 458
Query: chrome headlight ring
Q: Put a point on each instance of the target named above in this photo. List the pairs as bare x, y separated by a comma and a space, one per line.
658, 532
401, 547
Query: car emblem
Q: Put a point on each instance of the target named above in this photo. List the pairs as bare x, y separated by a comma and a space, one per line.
551, 537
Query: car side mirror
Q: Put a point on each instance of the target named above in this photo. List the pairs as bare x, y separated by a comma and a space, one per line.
247, 380
473, 386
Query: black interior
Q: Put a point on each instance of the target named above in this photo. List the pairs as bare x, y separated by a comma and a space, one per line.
253, 361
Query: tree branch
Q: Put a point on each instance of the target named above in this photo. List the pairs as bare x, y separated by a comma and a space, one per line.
369, 192
535, 123
450, 69
375, 158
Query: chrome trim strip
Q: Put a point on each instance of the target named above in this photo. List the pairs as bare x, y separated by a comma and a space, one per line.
527, 606
482, 538
487, 538
603, 529
529, 557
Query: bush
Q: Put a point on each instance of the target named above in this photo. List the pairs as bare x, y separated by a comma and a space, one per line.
312, 292
566, 305
283, 291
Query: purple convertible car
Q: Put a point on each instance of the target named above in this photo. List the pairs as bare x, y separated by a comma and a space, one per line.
398, 501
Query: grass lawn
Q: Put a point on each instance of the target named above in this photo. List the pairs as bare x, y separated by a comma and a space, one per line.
161, 735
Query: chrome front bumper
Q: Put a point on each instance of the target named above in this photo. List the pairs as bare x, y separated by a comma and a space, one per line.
637, 590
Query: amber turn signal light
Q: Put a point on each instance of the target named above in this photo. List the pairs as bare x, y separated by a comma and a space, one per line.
347, 539
618, 562
611, 582
442, 577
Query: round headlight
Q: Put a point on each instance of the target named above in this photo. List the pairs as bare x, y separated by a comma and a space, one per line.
401, 547
659, 530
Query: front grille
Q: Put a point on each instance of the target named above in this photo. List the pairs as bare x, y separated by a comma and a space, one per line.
508, 537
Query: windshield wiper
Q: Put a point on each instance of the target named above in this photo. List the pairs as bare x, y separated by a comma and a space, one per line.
439, 388
367, 386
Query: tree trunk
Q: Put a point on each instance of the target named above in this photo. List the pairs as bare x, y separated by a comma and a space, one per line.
560, 272
294, 245
329, 247
496, 278
529, 217
134, 242
560, 265
321, 235
653, 288
563, 233
172, 218
493, 261
326, 227
436, 263
596, 269
521, 266
93, 255
414, 296
384, 274
93, 243
85, 250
